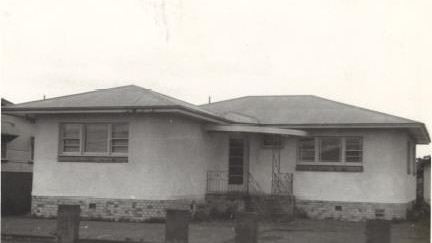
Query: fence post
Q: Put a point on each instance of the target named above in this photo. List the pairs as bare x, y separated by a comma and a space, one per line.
246, 227
68, 219
177, 226
377, 231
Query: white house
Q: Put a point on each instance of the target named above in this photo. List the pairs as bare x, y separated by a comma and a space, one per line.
129, 153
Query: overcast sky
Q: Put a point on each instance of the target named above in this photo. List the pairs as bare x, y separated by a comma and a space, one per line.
371, 53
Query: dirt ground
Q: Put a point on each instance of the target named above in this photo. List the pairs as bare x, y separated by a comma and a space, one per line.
298, 231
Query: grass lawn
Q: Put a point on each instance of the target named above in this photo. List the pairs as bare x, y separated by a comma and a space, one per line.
298, 231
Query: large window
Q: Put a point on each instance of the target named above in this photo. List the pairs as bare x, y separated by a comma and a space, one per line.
330, 150
94, 139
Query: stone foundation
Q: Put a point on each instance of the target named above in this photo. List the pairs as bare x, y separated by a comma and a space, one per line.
352, 211
108, 209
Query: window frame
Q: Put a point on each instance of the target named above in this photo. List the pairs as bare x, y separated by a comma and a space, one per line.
82, 140
317, 148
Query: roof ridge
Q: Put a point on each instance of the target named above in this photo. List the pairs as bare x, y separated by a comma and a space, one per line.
366, 109
251, 96
71, 95
174, 100
238, 98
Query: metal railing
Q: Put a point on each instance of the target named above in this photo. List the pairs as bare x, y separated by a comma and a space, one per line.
218, 182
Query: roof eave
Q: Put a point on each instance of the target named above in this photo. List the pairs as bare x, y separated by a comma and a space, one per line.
124, 109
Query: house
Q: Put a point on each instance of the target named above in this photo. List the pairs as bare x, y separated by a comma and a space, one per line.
128, 153
423, 179
17, 162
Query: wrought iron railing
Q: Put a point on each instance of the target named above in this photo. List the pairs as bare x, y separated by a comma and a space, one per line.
218, 182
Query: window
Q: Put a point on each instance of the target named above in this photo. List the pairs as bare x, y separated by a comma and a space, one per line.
353, 150
94, 139
272, 141
307, 150
32, 143
411, 157
330, 150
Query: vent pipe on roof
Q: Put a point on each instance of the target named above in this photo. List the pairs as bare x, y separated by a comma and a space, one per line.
209, 99
44, 97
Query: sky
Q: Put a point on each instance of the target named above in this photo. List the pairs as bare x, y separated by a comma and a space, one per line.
375, 54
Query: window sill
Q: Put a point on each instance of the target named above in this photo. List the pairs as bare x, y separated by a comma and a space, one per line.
92, 159
330, 168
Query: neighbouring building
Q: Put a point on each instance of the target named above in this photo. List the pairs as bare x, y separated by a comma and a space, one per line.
423, 179
17, 141
128, 153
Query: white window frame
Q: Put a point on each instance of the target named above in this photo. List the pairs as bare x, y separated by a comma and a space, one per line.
82, 137
343, 162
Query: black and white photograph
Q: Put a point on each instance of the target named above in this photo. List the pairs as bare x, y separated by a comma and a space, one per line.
198, 121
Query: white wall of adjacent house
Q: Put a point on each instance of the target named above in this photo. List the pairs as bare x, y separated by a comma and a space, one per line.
19, 149
168, 158
427, 183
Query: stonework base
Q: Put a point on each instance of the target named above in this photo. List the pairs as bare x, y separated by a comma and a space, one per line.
352, 211
108, 209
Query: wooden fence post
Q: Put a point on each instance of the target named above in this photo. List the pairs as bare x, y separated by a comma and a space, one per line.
246, 227
177, 226
377, 231
68, 219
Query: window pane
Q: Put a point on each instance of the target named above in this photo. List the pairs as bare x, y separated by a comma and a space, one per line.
330, 149
353, 150
120, 149
96, 138
120, 142
307, 150
71, 130
120, 131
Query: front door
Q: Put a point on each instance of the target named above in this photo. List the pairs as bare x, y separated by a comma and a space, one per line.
237, 164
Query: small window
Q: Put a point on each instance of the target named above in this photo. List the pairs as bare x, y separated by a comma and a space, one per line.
32, 144
330, 150
307, 150
353, 150
272, 141
71, 138
119, 138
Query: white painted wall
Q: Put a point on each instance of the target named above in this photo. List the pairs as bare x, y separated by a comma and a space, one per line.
427, 183
18, 149
384, 179
167, 160
170, 155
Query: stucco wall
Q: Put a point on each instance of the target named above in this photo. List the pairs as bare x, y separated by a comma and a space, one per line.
384, 179
426, 183
167, 160
169, 157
